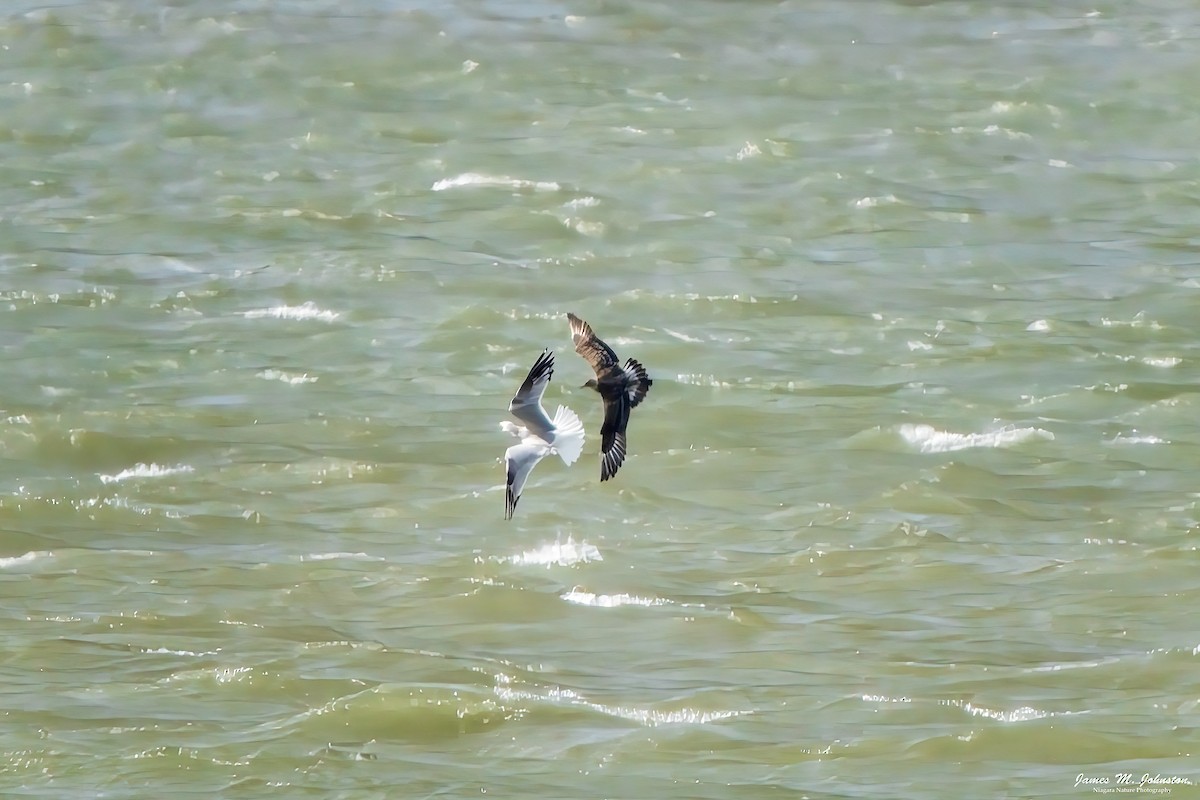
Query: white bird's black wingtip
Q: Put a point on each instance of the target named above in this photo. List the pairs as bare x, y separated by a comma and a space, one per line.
510, 502
543, 366
510, 499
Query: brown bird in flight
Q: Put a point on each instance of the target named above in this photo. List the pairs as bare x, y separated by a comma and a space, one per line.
620, 388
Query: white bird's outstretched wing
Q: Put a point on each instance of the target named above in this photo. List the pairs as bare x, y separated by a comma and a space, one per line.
526, 404
519, 461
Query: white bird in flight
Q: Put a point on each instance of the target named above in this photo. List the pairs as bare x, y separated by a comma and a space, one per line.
540, 435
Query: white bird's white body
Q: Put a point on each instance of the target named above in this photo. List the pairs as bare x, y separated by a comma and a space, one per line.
540, 435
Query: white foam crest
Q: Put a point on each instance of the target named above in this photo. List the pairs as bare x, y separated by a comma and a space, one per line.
1136, 438
1022, 714
584, 227
1032, 400
643, 716
166, 651
285, 377
476, 179
612, 600
1073, 664
28, 558
929, 439
652, 718
562, 554
992, 130
1166, 362
126, 504
1138, 321
872, 202
140, 470
218, 674
305, 311
699, 379
336, 556
231, 674
715, 298
749, 150
683, 337
346, 643
1106, 387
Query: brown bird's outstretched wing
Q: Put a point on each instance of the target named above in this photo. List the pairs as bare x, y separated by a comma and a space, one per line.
590, 346
612, 435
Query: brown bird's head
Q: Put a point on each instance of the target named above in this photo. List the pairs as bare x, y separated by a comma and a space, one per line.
591, 384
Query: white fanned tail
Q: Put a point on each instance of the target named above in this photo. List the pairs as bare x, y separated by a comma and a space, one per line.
568, 435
